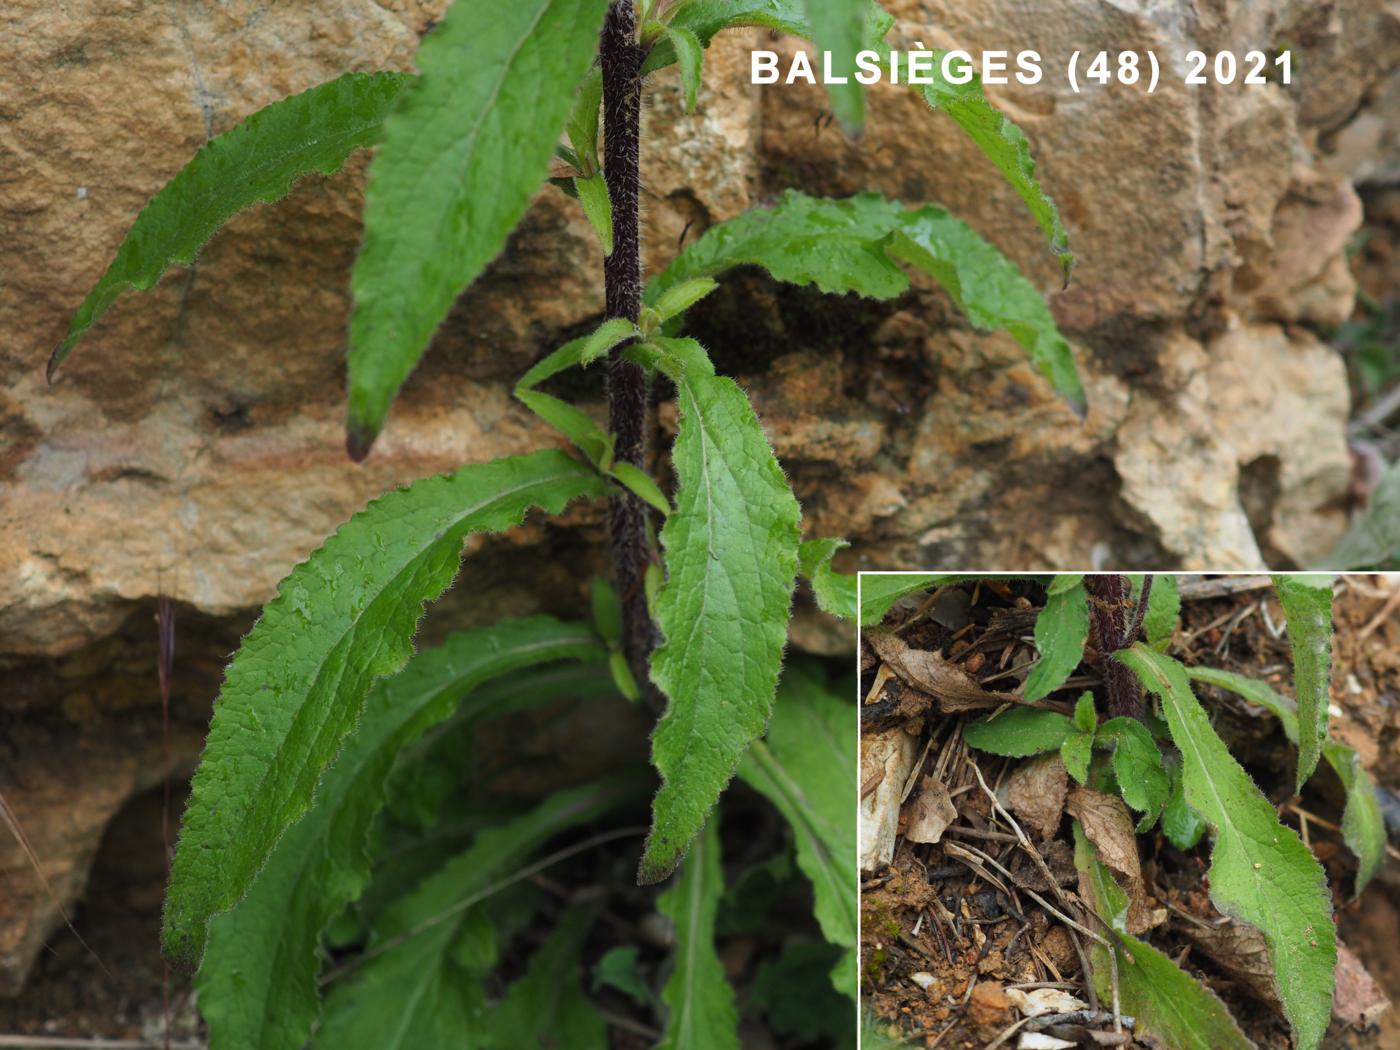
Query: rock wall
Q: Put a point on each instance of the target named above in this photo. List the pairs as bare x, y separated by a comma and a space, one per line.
191, 446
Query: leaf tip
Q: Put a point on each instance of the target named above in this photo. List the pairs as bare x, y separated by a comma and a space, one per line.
358, 441
654, 868
55, 359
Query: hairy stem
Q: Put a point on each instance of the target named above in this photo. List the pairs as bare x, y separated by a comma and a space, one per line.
1113, 629
621, 59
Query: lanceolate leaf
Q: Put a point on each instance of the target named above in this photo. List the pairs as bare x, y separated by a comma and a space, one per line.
343, 618
1168, 1003
468, 144
837, 245
879, 591
257, 984
421, 985
1163, 609
1363, 826
705, 18
1061, 630
1019, 732
991, 291
546, 1007
730, 553
852, 245
1260, 872
691, 54
806, 767
256, 160
700, 1000
838, 28
835, 591
1307, 604
1005, 146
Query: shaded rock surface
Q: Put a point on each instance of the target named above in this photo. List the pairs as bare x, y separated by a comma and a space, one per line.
192, 444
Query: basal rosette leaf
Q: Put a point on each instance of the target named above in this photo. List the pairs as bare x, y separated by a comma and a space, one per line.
730, 554
1307, 605
343, 618
1363, 825
459, 159
1061, 630
1019, 732
879, 591
806, 766
1260, 871
698, 996
839, 29
257, 985
257, 160
1168, 1003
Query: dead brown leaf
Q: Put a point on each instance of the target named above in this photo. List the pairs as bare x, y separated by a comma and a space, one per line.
1036, 794
1241, 951
1358, 1001
928, 672
1109, 826
929, 812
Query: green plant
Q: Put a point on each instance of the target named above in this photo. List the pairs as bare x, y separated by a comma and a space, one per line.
1171, 768
325, 705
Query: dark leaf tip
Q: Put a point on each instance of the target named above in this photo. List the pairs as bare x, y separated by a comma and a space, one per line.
358, 442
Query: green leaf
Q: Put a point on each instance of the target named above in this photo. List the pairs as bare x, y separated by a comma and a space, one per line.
691, 55
583, 120
574, 423
1373, 539
1181, 824
1005, 146
258, 159
1075, 753
618, 969
852, 245
879, 591
567, 356
1019, 732
730, 553
597, 206
421, 982
1086, 716
838, 27
257, 984
1363, 826
1061, 630
461, 155
641, 485
789, 992
343, 618
607, 612
839, 246
1163, 610
1137, 766
612, 332
992, 291
545, 1007
835, 591
681, 297
1169, 1005
700, 1000
806, 766
1307, 604
1260, 872
705, 18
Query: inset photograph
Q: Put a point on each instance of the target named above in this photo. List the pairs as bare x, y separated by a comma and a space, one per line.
1129, 810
